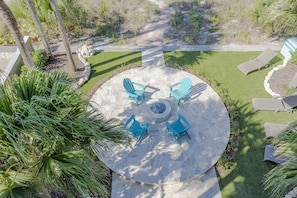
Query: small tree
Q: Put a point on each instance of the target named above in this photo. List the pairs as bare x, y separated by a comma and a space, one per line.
38, 25
282, 178
10, 21
46, 137
63, 34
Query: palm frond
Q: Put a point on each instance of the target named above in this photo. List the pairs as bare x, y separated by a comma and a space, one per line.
282, 179
74, 172
50, 128
15, 183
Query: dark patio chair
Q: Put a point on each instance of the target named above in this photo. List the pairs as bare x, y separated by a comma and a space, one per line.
287, 103
258, 63
270, 154
273, 129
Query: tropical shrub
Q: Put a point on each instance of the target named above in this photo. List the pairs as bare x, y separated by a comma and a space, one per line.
277, 17
47, 136
114, 18
282, 178
73, 13
39, 58
111, 18
191, 20
294, 57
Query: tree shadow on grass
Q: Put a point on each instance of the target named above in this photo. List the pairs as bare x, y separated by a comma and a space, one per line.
245, 178
180, 59
114, 58
108, 66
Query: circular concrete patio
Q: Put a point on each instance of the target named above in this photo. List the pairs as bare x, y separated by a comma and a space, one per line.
158, 159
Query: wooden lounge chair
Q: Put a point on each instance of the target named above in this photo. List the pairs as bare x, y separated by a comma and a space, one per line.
270, 154
178, 128
258, 63
134, 94
287, 103
273, 129
136, 128
179, 91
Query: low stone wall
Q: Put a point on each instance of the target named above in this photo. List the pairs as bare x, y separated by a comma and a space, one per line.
15, 63
14, 66
84, 52
267, 78
6, 55
292, 193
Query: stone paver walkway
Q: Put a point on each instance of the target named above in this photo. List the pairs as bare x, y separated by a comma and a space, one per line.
205, 186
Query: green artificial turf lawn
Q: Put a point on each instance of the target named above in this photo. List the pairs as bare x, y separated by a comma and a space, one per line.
245, 178
103, 65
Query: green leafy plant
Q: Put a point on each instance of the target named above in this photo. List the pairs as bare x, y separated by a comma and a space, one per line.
44, 142
275, 16
39, 58
243, 36
294, 57
282, 179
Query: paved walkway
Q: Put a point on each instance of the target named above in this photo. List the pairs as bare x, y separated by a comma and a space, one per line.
158, 167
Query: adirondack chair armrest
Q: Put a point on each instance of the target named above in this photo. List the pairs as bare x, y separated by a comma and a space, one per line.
140, 85
129, 120
169, 127
173, 85
183, 119
146, 126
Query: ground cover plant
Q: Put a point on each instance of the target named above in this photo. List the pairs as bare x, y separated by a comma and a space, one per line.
103, 18
193, 21
276, 17
245, 177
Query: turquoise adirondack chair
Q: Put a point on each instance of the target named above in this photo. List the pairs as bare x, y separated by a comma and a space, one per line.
179, 128
180, 93
136, 128
134, 94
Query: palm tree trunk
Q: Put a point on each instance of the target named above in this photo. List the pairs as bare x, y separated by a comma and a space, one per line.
38, 25
64, 34
10, 21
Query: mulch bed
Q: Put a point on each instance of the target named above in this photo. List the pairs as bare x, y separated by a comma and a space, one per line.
59, 61
280, 79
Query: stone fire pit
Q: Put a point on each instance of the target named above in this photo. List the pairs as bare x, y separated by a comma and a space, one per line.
158, 110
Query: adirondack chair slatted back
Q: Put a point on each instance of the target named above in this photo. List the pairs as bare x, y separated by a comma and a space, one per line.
178, 128
128, 85
185, 86
136, 128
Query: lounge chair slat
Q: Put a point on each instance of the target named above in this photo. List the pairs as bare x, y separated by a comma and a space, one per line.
258, 63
